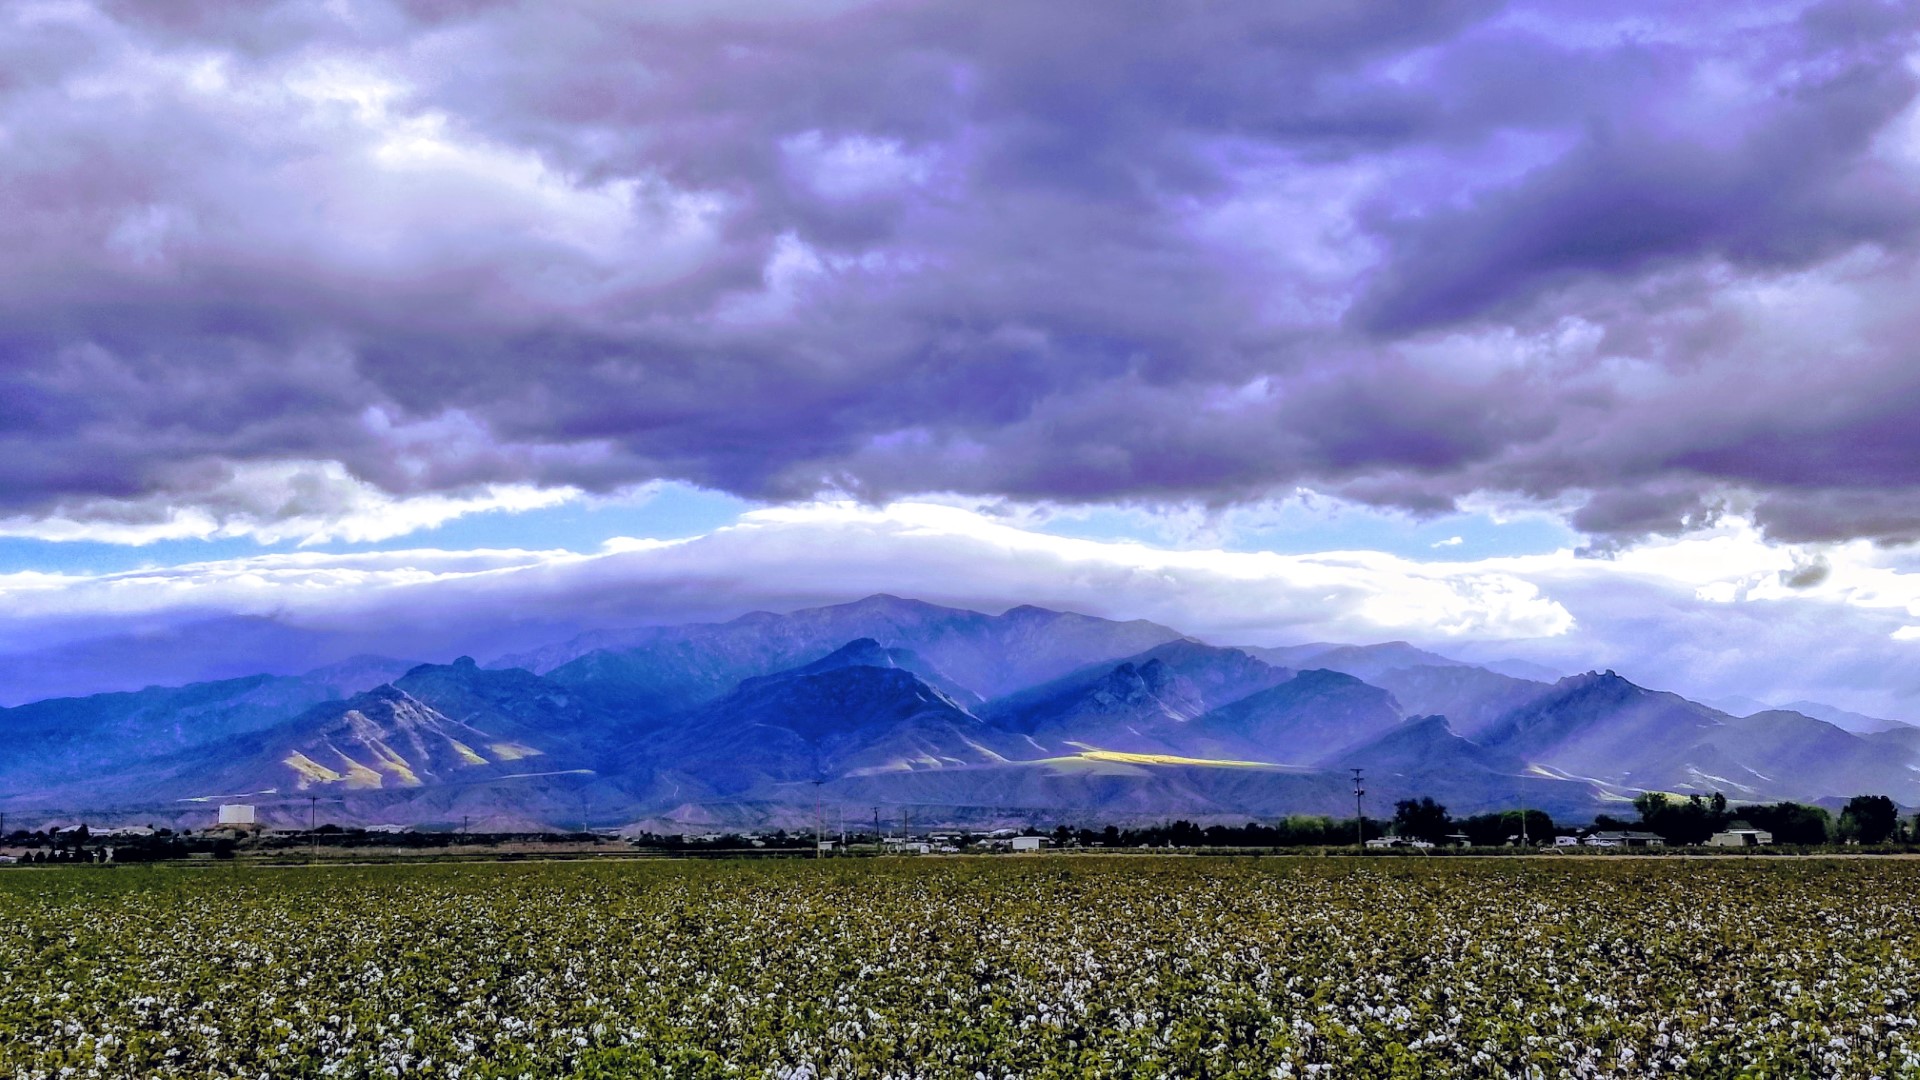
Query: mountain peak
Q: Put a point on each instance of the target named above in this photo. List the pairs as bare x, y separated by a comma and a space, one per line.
1326, 677
865, 651
1027, 611
890, 602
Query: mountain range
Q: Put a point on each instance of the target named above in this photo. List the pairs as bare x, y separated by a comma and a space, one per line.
887, 705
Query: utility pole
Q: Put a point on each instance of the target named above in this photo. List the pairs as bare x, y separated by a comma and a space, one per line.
819, 824
878, 846
1359, 814
313, 834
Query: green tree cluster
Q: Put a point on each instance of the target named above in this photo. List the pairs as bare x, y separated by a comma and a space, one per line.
1493, 830
1686, 821
1870, 819
1790, 822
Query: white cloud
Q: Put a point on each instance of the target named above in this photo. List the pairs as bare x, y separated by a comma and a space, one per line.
306, 501
793, 556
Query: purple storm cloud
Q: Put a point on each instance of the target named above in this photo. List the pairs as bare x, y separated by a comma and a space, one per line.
1642, 259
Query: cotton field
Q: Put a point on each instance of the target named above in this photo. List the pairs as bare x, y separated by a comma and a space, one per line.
1047, 967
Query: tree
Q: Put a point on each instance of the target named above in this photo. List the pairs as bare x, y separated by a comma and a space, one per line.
1689, 822
1422, 820
1791, 822
1494, 830
1870, 819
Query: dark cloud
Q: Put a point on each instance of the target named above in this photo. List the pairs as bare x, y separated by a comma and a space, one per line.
1191, 252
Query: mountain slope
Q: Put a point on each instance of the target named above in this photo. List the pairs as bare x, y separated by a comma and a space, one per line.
1360, 661
1857, 723
675, 668
817, 723
1471, 698
1427, 756
1301, 721
80, 738
867, 652
1140, 704
1602, 726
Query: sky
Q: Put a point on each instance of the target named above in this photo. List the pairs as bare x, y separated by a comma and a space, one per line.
1579, 334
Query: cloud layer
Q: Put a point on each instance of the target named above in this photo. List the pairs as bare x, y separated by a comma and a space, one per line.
1721, 612
1652, 262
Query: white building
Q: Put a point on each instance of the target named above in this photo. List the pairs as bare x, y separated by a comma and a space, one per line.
1740, 838
236, 814
1626, 839
1027, 843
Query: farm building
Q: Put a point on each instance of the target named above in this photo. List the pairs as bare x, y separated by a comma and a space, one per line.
1027, 843
1625, 839
1740, 838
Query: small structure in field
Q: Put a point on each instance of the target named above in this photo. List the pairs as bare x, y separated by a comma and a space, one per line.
1740, 838
1028, 843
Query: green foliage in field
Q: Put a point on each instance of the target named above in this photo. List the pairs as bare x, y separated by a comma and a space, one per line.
1039, 967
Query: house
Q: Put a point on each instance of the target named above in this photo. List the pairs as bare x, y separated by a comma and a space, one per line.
1626, 839
1740, 838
